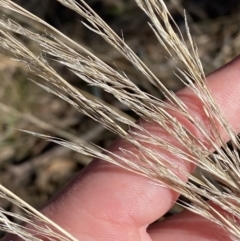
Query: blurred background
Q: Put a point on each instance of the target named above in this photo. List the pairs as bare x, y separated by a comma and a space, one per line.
35, 169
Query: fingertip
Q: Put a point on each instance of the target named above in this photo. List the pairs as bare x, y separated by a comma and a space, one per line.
187, 226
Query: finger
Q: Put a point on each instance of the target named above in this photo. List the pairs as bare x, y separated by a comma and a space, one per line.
107, 194
119, 205
187, 226
224, 84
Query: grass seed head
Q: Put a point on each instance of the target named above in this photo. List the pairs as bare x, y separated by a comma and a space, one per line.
144, 159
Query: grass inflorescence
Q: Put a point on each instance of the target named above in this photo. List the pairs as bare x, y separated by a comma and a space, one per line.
53, 47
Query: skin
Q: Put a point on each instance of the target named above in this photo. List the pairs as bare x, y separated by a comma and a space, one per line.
106, 203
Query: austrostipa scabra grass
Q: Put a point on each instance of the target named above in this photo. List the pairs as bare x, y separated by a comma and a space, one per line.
193, 145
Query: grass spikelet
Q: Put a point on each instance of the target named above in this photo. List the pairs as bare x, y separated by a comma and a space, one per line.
221, 165
37, 226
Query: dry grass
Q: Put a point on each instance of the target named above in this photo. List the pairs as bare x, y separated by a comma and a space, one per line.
47, 48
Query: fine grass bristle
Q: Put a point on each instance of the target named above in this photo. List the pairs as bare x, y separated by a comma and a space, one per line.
54, 46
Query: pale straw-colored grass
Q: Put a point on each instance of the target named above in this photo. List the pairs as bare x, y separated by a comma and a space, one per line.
222, 166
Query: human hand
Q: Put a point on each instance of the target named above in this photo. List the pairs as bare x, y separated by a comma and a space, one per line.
106, 203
